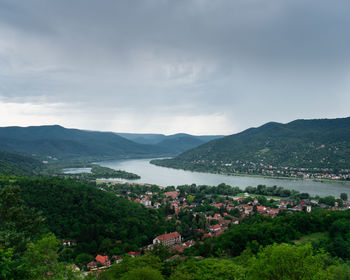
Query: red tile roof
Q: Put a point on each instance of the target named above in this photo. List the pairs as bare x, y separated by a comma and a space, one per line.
101, 259
168, 236
216, 226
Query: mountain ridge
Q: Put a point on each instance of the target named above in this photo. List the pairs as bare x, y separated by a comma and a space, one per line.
318, 143
56, 141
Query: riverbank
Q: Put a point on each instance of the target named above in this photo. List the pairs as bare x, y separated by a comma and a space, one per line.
332, 181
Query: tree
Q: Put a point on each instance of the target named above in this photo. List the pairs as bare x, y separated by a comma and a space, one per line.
7, 264
129, 266
41, 260
287, 262
19, 224
143, 273
344, 196
208, 269
329, 200
83, 259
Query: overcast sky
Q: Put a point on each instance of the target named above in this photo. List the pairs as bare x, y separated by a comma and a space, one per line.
168, 66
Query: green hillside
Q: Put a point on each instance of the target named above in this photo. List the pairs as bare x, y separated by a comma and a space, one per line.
319, 144
88, 215
13, 164
63, 143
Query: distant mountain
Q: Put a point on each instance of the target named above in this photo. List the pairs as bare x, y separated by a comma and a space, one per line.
148, 139
174, 144
13, 164
54, 141
62, 143
322, 143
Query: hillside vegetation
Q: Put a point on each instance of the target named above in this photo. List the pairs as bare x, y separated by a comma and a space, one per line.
62, 143
56, 142
88, 215
318, 144
14, 164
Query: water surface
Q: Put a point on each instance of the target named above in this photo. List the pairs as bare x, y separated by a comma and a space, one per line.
164, 176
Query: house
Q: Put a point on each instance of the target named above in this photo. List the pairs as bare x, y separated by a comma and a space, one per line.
68, 243
168, 239
235, 220
286, 201
217, 216
132, 254
218, 205
104, 260
91, 265
189, 243
206, 235
215, 228
117, 259
73, 267
146, 202
173, 195
273, 212
157, 205
178, 248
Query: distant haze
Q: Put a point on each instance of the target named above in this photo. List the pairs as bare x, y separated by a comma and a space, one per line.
166, 66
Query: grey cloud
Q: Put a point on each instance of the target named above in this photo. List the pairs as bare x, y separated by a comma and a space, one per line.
245, 59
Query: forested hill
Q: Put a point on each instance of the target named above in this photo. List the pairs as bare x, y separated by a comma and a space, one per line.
88, 215
13, 164
321, 143
54, 141
57, 141
174, 144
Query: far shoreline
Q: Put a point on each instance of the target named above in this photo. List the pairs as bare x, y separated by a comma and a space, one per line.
334, 181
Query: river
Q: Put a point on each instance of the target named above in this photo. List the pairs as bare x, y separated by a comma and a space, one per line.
163, 176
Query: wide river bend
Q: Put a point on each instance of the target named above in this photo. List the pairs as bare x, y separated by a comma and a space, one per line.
163, 176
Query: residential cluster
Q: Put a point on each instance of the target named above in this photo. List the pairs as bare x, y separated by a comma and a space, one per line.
197, 216
264, 169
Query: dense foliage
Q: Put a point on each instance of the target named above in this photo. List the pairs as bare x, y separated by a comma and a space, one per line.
98, 172
27, 250
93, 218
261, 231
277, 261
105, 172
14, 164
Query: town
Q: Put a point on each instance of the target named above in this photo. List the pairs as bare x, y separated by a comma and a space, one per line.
265, 169
194, 213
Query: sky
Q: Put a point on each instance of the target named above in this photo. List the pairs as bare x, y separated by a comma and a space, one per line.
169, 66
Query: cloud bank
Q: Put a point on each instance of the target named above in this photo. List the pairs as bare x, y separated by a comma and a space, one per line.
165, 66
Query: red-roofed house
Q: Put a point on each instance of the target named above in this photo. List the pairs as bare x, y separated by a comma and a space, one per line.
132, 254
218, 205
217, 216
172, 194
104, 260
215, 228
168, 239
179, 248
